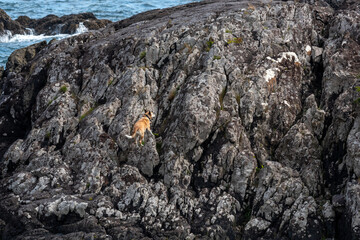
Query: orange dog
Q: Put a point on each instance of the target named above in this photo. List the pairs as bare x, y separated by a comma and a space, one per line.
141, 126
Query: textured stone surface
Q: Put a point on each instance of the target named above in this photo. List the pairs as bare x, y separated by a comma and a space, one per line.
7, 24
257, 127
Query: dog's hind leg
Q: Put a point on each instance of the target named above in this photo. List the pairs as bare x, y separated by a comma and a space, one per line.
136, 142
133, 135
141, 139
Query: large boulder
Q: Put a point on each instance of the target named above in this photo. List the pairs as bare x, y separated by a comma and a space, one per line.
7, 24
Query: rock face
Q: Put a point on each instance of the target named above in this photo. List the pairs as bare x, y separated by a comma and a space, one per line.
51, 24
6, 23
257, 127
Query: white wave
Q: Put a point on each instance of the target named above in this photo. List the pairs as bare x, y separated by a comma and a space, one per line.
9, 38
29, 35
59, 28
6, 37
81, 28
30, 31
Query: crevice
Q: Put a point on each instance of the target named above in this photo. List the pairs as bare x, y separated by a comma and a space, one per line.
11, 167
107, 181
297, 120
211, 148
55, 225
333, 153
316, 83
156, 173
197, 224
333, 178
19, 124
342, 224
62, 140
14, 225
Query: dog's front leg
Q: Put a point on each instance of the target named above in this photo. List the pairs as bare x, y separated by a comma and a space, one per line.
151, 132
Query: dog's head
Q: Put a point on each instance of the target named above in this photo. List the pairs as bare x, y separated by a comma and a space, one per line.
149, 114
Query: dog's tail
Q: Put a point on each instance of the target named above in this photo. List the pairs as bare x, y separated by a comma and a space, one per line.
132, 136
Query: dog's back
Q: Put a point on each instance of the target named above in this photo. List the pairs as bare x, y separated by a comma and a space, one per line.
141, 126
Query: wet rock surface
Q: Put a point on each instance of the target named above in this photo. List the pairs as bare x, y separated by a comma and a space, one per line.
50, 25
257, 127
67, 24
6, 23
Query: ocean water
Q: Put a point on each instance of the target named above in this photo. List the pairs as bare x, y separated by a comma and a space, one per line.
113, 10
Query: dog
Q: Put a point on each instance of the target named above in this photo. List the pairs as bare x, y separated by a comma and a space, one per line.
141, 126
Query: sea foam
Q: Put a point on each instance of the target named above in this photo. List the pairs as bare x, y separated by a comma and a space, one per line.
29, 35
81, 28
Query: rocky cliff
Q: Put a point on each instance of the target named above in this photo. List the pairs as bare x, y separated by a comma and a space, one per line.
257, 126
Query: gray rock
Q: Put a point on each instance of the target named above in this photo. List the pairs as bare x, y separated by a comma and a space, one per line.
19, 58
352, 209
256, 127
353, 145
316, 54
281, 195
300, 148
338, 200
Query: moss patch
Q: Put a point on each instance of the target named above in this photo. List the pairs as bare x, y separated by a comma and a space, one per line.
246, 216
237, 41
51, 101
63, 89
47, 135
238, 99
259, 168
172, 94
142, 55
357, 88
86, 114
209, 44
221, 98
217, 57
159, 148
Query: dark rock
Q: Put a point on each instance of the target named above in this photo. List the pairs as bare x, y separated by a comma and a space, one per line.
21, 57
67, 24
338, 200
25, 20
257, 126
344, 4
1, 74
6, 23
51, 24
18, 93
